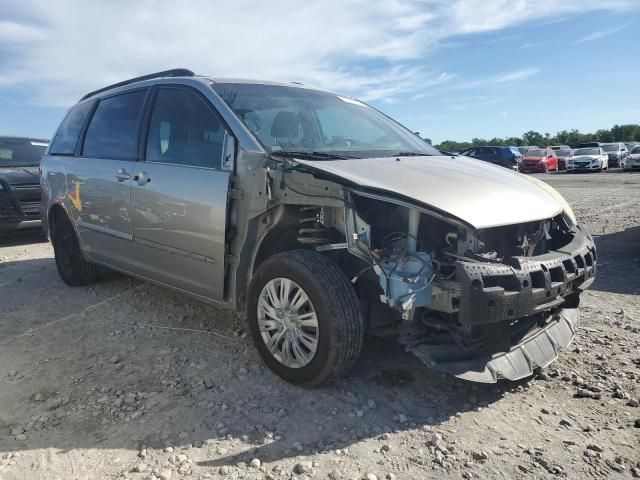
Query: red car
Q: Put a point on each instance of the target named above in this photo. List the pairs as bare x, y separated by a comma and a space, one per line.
539, 160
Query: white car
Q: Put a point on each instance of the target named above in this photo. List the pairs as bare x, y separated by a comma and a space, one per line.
589, 159
632, 162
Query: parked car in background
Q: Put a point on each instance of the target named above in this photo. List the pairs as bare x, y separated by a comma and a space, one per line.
632, 162
589, 159
539, 160
317, 218
589, 144
563, 155
507, 157
20, 182
617, 152
631, 145
525, 148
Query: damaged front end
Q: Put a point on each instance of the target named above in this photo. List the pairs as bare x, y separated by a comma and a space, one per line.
480, 304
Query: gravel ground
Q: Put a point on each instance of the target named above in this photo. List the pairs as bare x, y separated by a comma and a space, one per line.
127, 380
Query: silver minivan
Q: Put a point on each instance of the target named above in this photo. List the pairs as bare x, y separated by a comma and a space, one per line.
319, 219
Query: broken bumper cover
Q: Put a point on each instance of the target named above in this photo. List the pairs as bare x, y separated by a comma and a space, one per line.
514, 318
536, 351
494, 293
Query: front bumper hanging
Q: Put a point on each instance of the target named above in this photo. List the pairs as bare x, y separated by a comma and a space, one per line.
536, 351
510, 319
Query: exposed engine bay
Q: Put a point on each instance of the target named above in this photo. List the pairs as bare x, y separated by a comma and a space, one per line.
482, 304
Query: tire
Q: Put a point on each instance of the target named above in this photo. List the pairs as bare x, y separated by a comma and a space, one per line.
72, 267
339, 330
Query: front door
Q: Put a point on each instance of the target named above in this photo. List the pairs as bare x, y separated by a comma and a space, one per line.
99, 191
179, 195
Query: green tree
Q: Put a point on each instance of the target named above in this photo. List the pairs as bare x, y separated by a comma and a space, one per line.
617, 133
532, 138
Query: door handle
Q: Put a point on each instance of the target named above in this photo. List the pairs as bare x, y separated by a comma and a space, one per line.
142, 178
122, 175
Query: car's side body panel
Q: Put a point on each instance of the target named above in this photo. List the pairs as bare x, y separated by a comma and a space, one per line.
179, 221
99, 200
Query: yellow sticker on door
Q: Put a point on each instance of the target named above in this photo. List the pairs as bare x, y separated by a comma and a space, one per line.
75, 196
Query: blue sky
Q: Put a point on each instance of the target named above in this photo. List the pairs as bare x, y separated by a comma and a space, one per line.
450, 69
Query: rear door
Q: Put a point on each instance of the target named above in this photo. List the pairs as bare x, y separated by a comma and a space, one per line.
99, 183
179, 194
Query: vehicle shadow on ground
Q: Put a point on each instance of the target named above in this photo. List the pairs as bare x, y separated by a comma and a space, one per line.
404, 394
189, 386
618, 261
23, 237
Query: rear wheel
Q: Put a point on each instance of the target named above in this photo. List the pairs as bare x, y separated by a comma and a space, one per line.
72, 267
305, 318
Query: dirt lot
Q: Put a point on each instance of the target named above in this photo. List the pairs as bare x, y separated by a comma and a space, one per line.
127, 380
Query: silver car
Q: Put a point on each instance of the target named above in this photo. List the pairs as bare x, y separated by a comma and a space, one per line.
318, 218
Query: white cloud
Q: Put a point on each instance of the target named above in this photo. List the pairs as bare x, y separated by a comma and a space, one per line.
58, 50
598, 34
516, 76
513, 76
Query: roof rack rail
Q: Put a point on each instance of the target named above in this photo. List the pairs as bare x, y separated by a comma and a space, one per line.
175, 72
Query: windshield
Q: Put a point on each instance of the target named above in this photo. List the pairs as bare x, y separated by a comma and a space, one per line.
563, 153
524, 150
610, 148
536, 153
636, 150
321, 124
21, 152
586, 151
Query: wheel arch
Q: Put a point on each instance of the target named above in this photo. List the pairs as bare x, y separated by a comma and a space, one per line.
56, 211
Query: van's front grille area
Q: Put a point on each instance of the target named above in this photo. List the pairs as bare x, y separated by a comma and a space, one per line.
28, 197
30, 209
8, 209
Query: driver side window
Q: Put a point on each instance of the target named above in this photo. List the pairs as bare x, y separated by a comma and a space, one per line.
184, 130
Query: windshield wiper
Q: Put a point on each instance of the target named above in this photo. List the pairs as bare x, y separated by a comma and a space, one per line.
411, 154
310, 155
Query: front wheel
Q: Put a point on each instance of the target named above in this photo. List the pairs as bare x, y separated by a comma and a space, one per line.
72, 267
305, 318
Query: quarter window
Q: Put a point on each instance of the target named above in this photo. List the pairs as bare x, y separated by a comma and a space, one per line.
184, 130
113, 131
67, 135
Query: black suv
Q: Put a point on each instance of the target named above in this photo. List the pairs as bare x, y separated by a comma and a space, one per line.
20, 182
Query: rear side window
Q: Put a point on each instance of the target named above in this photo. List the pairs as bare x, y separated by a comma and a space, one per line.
184, 130
486, 151
66, 138
113, 131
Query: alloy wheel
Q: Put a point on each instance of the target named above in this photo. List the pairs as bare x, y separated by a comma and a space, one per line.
288, 322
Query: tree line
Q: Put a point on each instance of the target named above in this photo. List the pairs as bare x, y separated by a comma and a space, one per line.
618, 133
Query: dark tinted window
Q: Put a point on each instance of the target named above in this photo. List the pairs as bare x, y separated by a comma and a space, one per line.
184, 130
21, 152
67, 136
486, 151
113, 130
